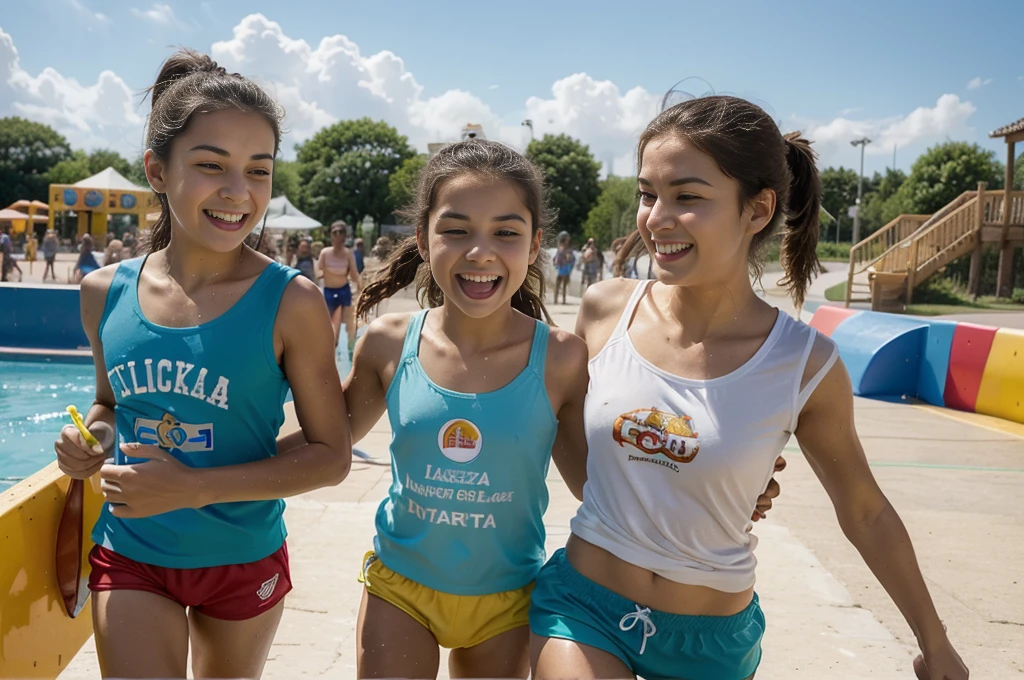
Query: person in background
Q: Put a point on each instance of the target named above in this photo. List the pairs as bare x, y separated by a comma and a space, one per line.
565, 260
50, 247
338, 269
31, 247
318, 247
591, 265
86, 259
304, 261
114, 253
359, 251
7, 255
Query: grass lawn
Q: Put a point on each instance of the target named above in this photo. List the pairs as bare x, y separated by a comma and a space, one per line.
837, 293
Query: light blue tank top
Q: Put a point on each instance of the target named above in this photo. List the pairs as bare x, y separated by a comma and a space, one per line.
464, 514
212, 395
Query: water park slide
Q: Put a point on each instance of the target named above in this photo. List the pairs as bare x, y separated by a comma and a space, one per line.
958, 365
37, 637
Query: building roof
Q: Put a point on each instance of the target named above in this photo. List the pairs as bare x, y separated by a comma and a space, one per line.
1007, 130
109, 179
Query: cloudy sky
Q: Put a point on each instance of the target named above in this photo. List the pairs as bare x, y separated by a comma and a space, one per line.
597, 70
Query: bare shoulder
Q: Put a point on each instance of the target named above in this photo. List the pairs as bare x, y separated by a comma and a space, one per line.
390, 327
93, 291
567, 354
301, 297
382, 342
600, 310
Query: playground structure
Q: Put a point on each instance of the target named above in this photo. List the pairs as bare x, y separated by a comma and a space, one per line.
887, 266
94, 198
961, 366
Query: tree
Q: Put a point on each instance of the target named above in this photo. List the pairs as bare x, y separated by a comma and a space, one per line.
137, 172
878, 210
1018, 172
70, 170
402, 185
345, 170
27, 152
944, 172
286, 181
571, 174
614, 214
839, 192
101, 159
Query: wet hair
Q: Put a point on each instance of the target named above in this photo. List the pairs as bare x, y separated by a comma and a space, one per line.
748, 146
477, 157
190, 83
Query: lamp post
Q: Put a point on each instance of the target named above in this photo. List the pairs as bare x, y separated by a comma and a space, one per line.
529, 123
862, 142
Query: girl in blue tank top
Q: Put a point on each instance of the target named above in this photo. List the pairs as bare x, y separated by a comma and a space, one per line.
195, 347
481, 395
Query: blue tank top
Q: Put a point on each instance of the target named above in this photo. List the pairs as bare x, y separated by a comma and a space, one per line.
212, 395
464, 514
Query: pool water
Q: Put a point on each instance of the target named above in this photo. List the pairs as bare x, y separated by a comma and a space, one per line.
33, 398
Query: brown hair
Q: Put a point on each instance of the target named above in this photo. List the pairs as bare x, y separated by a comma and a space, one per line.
476, 156
191, 83
747, 146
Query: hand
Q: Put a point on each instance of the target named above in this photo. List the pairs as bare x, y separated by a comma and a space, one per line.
77, 459
159, 485
942, 664
764, 501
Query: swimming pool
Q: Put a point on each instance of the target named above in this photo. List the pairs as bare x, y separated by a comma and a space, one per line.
33, 396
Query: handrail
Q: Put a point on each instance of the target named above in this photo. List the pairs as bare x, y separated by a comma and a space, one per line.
877, 245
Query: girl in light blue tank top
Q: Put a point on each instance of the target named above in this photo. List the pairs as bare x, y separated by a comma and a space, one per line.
196, 346
481, 394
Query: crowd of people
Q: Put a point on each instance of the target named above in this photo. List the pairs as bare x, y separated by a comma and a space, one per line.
665, 412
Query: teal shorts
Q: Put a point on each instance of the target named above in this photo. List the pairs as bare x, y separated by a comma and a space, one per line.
653, 644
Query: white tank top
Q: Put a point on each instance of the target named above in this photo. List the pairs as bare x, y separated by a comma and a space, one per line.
675, 465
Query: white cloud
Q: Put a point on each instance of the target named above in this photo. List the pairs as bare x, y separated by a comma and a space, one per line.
978, 82
492, 87
321, 83
90, 116
82, 9
923, 125
158, 14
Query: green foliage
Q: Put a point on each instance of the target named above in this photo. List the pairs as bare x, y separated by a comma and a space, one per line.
571, 174
402, 185
27, 152
614, 215
345, 169
939, 291
137, 172
286, 180
101, 159
944, 172
838, 193
1018, 296
70, 170
1018, 172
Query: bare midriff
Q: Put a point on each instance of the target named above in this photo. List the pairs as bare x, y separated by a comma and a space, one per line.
335, 271
647, 588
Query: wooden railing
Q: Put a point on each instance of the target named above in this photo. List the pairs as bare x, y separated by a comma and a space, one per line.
994, 201
878, 245
935, 246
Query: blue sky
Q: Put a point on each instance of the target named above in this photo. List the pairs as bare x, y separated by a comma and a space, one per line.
904, 73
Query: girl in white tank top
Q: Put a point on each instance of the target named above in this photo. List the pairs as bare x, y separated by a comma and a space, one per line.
696, 385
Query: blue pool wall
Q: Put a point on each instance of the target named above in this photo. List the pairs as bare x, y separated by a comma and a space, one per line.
41, 317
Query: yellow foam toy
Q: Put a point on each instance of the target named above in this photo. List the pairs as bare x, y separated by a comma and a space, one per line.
1002, 384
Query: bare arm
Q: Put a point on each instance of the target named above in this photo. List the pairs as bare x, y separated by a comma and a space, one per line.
326, 456
373, 365
353, 272
73, 456
827, 435
567, 369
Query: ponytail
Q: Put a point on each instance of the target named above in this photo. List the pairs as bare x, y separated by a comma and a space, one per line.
405, 265
799, 252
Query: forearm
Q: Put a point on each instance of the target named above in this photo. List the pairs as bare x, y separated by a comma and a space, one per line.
102, 416
289, 473
886, 548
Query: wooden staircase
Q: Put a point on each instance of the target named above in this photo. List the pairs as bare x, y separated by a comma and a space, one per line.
887, 266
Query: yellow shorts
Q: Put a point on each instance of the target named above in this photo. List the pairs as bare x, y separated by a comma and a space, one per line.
455, 621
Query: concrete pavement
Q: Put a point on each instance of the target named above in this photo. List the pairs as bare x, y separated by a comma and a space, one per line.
955, 479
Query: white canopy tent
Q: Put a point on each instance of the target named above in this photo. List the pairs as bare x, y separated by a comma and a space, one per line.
281, 214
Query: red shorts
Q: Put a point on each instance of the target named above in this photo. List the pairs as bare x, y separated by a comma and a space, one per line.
233, 592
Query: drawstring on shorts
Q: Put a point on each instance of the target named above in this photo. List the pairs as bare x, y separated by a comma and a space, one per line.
628, 622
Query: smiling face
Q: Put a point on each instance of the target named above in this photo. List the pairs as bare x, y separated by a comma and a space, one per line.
217, 177
690, 218
480, 242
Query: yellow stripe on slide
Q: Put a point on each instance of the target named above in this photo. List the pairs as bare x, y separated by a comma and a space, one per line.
37, 638
1002, 384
